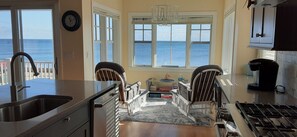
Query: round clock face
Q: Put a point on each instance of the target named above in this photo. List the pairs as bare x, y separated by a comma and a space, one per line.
71, 20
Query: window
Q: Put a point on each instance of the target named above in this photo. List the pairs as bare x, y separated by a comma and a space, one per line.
171, 45
97, 39
109, 39
200, 44
143, 44
104, 37
182, 45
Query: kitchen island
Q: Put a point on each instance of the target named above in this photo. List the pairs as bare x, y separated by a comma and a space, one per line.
233, 88
81, 92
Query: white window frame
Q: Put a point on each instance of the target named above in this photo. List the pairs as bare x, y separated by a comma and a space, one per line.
154, 68
117, 47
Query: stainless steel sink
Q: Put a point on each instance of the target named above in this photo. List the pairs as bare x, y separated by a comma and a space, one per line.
31, 107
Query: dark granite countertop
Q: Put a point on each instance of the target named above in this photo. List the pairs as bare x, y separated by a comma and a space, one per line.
81, 92
235, 89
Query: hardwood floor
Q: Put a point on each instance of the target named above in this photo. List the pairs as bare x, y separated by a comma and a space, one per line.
141, 129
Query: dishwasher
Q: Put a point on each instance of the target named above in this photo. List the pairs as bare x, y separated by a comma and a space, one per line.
105, 114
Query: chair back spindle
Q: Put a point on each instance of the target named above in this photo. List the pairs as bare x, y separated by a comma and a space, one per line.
202, 83
108, 71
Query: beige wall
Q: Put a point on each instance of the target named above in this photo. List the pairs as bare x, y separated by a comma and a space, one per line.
71, 43
135, 6
243, 54
229, 5
76, 47
87, 39
114, 4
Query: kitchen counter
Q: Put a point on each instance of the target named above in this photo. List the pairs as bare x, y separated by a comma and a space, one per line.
234, 88
81, 92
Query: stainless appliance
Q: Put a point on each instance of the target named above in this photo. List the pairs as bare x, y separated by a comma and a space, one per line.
265, 74
105, 114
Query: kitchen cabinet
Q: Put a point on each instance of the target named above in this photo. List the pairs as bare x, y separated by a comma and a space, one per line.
275, 28
263, 27
73, 125
83, 131
286, 27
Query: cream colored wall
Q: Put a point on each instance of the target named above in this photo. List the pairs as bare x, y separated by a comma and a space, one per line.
76, 47
135, 6
114, 4
71, 43
243, 54
229, 5
87, 39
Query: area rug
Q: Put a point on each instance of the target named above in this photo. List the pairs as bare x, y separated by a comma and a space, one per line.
159, 110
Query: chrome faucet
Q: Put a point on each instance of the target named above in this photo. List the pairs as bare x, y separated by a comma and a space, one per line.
13, 91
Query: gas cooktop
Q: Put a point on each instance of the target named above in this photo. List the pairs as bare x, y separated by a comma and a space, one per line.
267, 120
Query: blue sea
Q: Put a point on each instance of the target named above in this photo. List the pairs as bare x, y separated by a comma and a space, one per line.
167, 53
39, 50
172, 54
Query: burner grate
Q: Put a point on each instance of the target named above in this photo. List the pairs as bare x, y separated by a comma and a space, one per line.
270, 120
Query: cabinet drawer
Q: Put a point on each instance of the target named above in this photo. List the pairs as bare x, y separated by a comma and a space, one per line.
67, 124
106, 97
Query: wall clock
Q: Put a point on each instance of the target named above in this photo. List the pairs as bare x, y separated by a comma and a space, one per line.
71, 20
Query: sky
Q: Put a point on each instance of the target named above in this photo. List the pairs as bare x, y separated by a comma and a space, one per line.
37, 24
178, 33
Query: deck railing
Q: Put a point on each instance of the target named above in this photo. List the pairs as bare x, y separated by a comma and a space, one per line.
45, 70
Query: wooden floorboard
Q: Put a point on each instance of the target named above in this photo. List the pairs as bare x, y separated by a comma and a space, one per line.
141, 129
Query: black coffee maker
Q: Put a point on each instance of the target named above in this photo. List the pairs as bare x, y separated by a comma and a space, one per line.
265, 74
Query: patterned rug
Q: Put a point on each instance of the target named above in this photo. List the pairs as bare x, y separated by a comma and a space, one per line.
159, 110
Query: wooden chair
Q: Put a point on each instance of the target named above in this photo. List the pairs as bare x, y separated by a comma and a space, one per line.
197, 93
131, 96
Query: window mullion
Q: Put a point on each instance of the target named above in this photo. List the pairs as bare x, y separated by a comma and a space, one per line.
188, 45
103, 47
154, 44
170, 44
116, 46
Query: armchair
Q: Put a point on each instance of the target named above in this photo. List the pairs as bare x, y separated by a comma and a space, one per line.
199, 92
131, 96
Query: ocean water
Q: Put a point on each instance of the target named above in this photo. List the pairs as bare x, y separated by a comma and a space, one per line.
199, 54
39, 50
42, 50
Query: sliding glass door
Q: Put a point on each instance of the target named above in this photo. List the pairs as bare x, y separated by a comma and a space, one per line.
6, 46
29, 30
